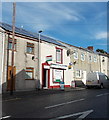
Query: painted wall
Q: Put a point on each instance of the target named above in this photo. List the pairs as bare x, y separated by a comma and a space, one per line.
104, 61
2, 37
49, 49
21, 61
85, 65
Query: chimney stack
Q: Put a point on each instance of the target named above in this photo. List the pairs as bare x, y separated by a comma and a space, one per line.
90, 48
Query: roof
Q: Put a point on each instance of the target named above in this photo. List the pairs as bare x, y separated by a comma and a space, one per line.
24, 32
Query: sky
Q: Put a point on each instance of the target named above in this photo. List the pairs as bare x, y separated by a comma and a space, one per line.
81, 24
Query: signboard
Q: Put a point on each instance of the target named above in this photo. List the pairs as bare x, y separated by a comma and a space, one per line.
58, 66
58, 75
46, 67
49, 58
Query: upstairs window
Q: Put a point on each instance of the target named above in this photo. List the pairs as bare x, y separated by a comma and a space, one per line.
59, 55
75, 54
30, 48
90, 58
10, 44
82, 56
95, 58
29, 73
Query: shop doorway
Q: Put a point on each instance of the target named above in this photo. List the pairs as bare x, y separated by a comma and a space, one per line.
46, 76
9, 78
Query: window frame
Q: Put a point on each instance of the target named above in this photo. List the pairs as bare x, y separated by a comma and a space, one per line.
82, 56
90, 56
79, 73
75, 54
60, 54
30, 71
95, 58
30, 47
10, 40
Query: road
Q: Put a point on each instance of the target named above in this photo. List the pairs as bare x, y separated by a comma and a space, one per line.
86, 103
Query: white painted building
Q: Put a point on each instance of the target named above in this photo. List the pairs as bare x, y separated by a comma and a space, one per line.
2, 38
55, 70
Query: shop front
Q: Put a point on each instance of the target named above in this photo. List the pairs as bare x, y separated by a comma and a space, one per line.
52, 75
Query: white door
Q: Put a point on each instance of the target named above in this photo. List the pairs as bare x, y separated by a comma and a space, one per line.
84, 77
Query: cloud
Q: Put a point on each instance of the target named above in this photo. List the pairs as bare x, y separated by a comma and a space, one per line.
47, 15
101, 35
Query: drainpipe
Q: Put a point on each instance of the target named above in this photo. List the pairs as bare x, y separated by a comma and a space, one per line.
39, 59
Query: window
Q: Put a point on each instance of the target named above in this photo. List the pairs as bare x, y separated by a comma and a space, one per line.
58, 55
58, 75
10, 44
75, 54
78, 73
30, 48
90, 58
29, 73
95, 58
82, 56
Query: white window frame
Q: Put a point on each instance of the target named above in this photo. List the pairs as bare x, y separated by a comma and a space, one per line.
95, 58
83, 56
59, 55
75, 54
78, 74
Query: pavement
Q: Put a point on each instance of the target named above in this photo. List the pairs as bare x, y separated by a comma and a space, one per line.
17, 94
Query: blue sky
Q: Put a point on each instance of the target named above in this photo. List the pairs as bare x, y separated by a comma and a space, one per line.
81, 24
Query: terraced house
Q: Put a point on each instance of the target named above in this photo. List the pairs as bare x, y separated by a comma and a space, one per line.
41, 62
29, 74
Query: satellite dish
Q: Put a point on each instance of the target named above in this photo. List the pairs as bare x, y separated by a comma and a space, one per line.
68, 52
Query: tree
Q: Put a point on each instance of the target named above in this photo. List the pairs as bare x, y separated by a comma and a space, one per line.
101, 51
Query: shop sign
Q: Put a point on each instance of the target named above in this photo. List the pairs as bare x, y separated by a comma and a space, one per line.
61, 66
46, 67
49, 58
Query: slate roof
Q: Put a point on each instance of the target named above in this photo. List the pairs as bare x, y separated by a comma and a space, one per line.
24, 32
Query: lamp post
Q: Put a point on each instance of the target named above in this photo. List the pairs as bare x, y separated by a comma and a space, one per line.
39, 58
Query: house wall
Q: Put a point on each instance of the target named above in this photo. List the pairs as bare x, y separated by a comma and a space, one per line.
21, 61
86, 65
49, 49
104, 61
2, 37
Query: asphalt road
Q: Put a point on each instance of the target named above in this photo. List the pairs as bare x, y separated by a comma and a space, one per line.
86, 103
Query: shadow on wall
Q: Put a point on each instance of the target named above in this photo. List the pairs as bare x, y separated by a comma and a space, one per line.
20, 83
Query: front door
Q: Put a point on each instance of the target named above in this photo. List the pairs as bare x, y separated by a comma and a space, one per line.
9, 85
45, 82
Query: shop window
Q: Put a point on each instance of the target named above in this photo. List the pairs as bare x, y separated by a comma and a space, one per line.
10, 44
30, 48
58, 55
58, 75
29, 73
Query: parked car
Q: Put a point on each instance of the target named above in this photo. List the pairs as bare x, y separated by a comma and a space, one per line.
97, 79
